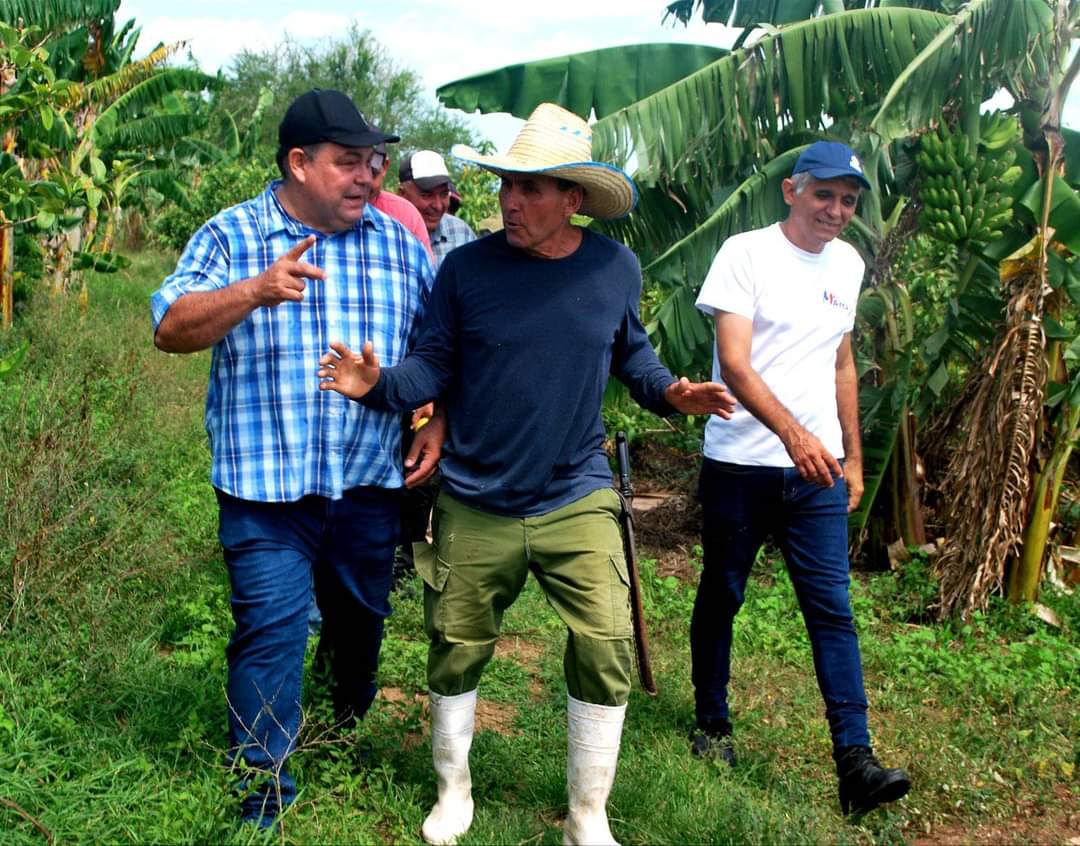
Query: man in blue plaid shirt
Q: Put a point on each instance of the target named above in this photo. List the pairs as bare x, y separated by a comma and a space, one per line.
307, 482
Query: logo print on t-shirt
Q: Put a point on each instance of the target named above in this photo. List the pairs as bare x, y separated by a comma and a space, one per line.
831, 299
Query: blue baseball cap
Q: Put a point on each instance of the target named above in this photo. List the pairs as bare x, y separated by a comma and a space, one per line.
828, 160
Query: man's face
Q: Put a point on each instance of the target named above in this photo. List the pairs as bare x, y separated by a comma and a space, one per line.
334, 184
432, 204
820, 211
535, 211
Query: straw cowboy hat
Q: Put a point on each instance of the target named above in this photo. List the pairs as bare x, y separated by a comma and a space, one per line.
555, 142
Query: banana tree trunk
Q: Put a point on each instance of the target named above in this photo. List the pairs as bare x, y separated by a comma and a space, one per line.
906, 486
1026, 574
1027, 569
7, 272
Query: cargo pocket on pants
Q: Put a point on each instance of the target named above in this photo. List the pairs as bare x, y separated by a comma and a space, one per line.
430, 567
620, 598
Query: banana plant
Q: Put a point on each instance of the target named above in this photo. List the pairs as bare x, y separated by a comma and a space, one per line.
712, 147
22, 56
81, 105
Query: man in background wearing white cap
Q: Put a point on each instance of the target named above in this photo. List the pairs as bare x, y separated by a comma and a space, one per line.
783, 300
523, 329
424, 181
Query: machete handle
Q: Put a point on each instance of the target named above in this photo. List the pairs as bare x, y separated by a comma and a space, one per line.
622, 456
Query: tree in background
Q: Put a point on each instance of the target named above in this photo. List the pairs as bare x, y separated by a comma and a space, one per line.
388, 95
234, 157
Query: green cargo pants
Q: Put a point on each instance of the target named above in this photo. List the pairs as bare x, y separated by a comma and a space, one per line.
478, 565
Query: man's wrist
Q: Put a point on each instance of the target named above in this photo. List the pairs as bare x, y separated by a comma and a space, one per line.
250, 289
790, 433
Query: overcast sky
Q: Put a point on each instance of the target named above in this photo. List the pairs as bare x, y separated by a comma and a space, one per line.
441, 41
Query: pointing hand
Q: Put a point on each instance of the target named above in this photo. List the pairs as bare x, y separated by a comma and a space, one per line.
284, 279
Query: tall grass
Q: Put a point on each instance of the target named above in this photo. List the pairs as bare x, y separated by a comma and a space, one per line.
114, 616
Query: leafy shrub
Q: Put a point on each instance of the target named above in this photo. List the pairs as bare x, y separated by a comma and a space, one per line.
479, 192
218, 187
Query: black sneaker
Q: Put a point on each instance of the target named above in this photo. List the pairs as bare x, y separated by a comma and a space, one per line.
713, 741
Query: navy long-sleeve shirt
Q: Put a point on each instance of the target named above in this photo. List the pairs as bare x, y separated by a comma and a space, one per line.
519, 349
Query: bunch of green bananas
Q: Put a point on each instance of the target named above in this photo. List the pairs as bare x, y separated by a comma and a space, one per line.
997, 130
962, 191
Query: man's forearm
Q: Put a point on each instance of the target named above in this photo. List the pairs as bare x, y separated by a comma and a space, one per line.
202, 318
757, 398
847, 407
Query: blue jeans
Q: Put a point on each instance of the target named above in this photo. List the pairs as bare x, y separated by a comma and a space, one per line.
742, 504
272, 550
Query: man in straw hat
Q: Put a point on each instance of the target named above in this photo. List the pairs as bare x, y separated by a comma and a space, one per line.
783, 300
522, 331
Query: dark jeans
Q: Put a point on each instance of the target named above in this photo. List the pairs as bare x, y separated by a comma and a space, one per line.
741, 505
272, 550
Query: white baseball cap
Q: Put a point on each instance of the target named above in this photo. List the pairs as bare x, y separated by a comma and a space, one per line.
426, 168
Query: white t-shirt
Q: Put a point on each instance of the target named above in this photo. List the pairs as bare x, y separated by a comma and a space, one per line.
801, 305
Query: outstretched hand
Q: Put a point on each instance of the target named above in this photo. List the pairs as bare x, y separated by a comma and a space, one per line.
349, 374
700, 398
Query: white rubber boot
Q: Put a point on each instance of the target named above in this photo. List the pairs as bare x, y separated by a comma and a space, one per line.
452, 719
592, 750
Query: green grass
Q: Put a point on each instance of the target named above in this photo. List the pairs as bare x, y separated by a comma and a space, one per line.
114, 615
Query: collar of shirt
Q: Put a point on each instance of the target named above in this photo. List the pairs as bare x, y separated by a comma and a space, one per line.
274, 218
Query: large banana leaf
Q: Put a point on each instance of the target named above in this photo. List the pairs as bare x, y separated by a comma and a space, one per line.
668, 213
1072, 156
881, 413
146, 93
662, 217
107, 88
751, 12
682, 335
165, 182
756, 202
151, 132
599, 80
985, 44
51, 15
1064, 211
802, 77
886, 312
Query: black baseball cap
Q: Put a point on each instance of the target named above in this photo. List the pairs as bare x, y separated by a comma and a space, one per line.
327, 115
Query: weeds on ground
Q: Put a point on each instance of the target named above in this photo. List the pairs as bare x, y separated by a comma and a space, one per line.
114, 615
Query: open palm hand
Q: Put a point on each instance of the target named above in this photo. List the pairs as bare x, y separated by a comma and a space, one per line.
349, 374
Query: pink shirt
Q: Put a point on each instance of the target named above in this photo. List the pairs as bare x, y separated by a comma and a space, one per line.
402, 210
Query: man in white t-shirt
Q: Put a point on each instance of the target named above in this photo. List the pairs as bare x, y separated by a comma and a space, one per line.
789, 462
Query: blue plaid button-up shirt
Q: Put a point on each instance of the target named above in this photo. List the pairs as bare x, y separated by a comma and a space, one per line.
274, 436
